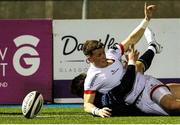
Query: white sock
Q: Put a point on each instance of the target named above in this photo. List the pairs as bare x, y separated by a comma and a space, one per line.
152, 48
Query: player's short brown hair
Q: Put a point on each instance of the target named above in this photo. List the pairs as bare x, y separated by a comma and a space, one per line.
90, 46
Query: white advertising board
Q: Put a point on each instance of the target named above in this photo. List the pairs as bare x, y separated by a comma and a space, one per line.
69, 35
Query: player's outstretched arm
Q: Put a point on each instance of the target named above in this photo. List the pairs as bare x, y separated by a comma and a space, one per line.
138, 32
91, 108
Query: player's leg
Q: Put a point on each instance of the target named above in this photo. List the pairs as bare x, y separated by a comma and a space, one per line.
170, 104
145, 60
166, 98
175, 89
150, 37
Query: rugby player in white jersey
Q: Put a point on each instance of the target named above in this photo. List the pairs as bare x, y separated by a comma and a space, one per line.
106, 72
114, 99
155, 97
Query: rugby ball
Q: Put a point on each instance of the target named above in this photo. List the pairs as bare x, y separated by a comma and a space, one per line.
32, 104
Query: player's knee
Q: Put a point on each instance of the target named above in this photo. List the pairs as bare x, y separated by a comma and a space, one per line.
174, 106
139, 66
170, 104
162, 96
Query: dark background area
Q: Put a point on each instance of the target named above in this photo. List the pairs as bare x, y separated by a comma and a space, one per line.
96, 9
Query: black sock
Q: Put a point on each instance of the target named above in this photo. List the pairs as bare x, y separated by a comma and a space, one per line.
153, 46
147, 58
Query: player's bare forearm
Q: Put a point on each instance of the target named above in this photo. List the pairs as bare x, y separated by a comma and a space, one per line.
88, 107
138, 32
88, 102
91, 108
133, 38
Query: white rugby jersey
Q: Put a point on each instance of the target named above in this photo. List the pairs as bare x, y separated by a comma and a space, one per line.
104, 79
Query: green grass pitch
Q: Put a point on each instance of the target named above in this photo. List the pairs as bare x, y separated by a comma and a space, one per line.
59, 115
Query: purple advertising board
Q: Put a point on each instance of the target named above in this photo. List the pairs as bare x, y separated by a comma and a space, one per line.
25, 59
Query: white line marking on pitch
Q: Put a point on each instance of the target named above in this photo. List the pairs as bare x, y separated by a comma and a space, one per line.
39, 116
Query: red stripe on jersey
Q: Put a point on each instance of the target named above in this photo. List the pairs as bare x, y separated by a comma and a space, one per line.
89, 92
122, 48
